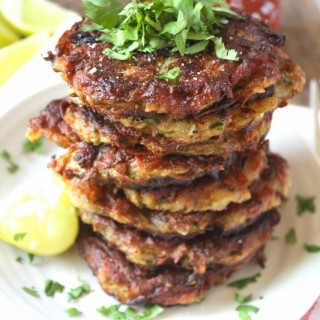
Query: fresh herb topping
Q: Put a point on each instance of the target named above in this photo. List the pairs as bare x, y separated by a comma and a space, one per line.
73, 312
28, 146
30, 257
172, 75
245, 309
184, 26
312, 248
19, 259
242, 283
76, 293
13, 167
19, 236
242, 299
305, 204
291, 236
114, 313
51, 287
32, 291
274, 238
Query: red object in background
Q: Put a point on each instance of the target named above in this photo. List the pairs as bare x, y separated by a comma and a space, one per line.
262, 9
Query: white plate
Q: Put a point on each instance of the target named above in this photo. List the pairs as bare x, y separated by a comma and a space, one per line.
289, 284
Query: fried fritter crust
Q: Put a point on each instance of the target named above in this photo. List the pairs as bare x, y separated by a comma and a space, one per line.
133, 168
49, 124
206, 193
94, 128
266, 193
205, 80
198, 253
131, 284
203, 127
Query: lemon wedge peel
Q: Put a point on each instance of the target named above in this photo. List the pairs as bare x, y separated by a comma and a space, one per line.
32, 16
14, 56
39, 219
7, 35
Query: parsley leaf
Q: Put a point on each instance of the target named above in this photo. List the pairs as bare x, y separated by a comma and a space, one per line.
305, 204
242, 299
312, 248
103, 12
73, 312
242, 283
19, 236
245, 309
184, 26
13, 167
76, 293
30, 257
172, 75
32, 291
291, 236
51, 287
19, 259
36, 146
114, 313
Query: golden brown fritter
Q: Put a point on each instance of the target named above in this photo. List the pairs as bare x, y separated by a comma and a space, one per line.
203, 127
96, 129
266, 193
205, 82
207, 193
198, 253
131, 284
133, 168
49, 124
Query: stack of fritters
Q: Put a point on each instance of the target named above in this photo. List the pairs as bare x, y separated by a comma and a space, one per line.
174, 182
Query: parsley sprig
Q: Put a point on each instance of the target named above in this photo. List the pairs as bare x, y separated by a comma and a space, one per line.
115, 312
184, 26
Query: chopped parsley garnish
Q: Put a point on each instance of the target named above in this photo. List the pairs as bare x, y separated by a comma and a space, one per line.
305, 204
171, 75
13, 167
73, 312
19, 236
274, 238
32, 291
36, 146
114, 313
30, 257
242, 283
291, 236
19, 259
312, 248
184, 26
242, 299
245, 309
78, 292
51, 287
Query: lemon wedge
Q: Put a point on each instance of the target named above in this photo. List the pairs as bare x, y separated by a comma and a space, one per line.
14, 56
7, 35
39, 218
32, 16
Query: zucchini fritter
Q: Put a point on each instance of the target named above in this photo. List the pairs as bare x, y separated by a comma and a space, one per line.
205, 80
266, 193
207, 193
198, 253
167, 285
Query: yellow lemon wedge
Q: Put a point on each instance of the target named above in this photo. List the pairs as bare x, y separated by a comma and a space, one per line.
14, 56
39, 218
7, 34
32, 16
